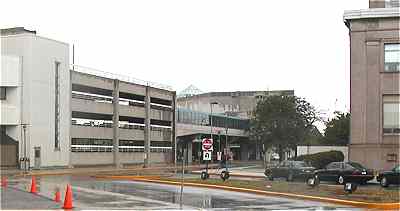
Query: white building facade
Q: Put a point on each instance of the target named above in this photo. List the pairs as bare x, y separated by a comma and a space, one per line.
36, 96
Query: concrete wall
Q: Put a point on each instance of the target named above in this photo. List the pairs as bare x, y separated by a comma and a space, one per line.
10, 78
91, 158
240, 104
39, 56
305, 150
10, 74
369, 83
189, 129
90, 106
106, 158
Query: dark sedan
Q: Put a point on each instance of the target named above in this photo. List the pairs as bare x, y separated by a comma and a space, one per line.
389, 177
290, 170
342, 172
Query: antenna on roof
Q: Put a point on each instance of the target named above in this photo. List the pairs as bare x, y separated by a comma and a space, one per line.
73, 57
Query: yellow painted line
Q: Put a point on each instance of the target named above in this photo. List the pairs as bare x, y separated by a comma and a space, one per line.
391, 206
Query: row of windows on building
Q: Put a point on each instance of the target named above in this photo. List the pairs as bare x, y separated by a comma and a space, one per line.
199, 118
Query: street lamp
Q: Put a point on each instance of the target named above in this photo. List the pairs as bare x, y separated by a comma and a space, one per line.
211, 135
211, 113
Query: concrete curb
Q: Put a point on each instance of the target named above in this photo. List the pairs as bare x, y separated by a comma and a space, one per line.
98, 171
234, 175
384, 206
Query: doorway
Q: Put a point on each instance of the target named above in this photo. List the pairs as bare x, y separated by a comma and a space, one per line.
37, 157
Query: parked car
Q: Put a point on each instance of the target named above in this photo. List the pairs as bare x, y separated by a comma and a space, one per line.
387, 178
342, 172
290, 170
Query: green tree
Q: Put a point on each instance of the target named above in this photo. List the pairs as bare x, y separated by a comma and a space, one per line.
337, 130
282, 122
313, 138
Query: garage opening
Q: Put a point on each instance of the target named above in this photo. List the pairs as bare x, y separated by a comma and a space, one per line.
8, 150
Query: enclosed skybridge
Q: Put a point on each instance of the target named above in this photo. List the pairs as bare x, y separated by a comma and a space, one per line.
228, 133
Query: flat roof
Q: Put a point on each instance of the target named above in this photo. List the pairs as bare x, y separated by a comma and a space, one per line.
391, 12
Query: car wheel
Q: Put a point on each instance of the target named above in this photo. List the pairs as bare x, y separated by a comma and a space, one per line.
340, 180
204, 175
384, 183
269, 176
290, 177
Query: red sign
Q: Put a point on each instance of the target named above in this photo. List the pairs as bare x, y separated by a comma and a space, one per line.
207, 144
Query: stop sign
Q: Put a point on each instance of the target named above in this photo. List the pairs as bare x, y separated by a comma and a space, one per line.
207, 144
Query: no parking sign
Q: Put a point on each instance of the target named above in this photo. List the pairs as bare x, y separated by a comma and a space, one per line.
207, 144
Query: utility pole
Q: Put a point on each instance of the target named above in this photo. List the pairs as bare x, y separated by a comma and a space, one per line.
25, 158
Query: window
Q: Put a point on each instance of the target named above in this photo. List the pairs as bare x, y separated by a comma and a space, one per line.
56, 106
333, 166
3, 93
391, 157
391, 114
392, 57
357, 165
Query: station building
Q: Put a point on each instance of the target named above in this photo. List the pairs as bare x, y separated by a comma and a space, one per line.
54, 115
375, 84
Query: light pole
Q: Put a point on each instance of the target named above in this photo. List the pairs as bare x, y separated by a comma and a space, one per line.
211, 128
25, 158
226, 144
211, 125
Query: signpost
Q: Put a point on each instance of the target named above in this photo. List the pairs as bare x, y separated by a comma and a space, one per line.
207, 147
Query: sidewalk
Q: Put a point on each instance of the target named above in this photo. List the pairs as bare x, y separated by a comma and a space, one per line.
248, 171
15, 199
102, 170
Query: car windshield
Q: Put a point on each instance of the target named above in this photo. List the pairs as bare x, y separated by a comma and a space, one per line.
397, 168
301, 164
357, 165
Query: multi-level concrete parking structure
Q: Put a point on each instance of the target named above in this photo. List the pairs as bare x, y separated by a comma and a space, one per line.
375, 84
54, 116
145, 116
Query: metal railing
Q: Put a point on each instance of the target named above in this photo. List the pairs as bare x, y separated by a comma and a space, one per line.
104, 148
91, 71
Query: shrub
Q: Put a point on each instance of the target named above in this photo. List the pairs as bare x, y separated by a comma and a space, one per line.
321, 159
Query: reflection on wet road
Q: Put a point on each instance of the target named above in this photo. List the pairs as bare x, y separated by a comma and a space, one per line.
105, 194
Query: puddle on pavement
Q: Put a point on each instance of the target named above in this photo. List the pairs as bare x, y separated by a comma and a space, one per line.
48, 185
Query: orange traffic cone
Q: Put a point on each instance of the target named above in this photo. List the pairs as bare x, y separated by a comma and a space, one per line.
57, 197
4, 182
68, 198
33, 185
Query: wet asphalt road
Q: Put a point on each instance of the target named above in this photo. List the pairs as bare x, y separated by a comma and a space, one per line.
89, 193
12, 198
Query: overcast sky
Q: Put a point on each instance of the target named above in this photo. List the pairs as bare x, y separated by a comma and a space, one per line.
214, 45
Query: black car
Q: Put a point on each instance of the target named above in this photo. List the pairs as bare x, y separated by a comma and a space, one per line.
342, 172
389, 177
290, 170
